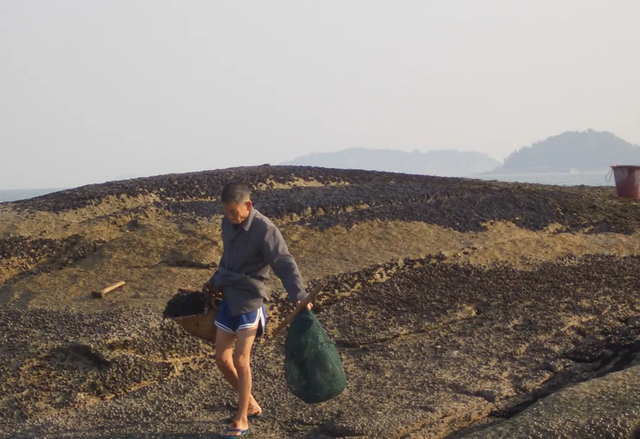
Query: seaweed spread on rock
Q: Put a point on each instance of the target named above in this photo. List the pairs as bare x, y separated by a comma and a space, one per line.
340, 199
66, 359
430, 344
443, 308
459, 204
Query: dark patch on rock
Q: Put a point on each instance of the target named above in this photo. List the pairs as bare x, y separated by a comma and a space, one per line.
72, 255
606, 361
31, 250
79, 354
51, 358
182, 261
34, 256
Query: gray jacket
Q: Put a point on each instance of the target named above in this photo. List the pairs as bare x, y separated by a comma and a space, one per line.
249, 249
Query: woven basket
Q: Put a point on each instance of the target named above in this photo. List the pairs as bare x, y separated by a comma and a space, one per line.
200, 325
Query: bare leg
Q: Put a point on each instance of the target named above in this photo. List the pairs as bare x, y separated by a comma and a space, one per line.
242, 363
224, 361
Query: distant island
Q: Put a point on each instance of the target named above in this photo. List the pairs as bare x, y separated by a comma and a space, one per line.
569, 152
572, 151
449, 163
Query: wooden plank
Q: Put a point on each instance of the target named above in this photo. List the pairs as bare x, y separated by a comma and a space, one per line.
100, 294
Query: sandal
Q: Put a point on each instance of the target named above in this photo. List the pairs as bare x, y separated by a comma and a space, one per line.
229, 429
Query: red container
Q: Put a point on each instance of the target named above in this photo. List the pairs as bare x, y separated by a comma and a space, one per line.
627, 180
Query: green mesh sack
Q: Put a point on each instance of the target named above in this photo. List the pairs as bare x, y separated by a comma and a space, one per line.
312, 364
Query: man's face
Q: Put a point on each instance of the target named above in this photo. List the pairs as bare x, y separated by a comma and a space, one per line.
237, 212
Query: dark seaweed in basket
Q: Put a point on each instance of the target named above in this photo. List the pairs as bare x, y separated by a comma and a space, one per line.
189, 303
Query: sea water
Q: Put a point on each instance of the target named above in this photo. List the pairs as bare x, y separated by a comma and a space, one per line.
600, 178
23, 194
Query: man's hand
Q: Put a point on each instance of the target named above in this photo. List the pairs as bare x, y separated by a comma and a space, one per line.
208, 287
309, 305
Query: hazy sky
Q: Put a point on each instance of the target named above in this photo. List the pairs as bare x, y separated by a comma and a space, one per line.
98, 90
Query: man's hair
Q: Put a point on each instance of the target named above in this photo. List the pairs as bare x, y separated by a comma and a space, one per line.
237, 191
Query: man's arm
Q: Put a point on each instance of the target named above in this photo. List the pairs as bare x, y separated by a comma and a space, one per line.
276, 252
210, 285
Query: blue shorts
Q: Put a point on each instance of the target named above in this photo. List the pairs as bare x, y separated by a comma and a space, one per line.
230, 323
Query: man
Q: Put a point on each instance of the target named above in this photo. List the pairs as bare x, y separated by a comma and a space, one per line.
252, 243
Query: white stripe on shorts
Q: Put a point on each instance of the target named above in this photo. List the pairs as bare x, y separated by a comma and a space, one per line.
224, 328
259, 318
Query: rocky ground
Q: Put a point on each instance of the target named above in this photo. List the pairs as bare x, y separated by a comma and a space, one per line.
461, 308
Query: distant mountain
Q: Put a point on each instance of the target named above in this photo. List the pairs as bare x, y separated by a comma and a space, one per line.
449, 163
581, 151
